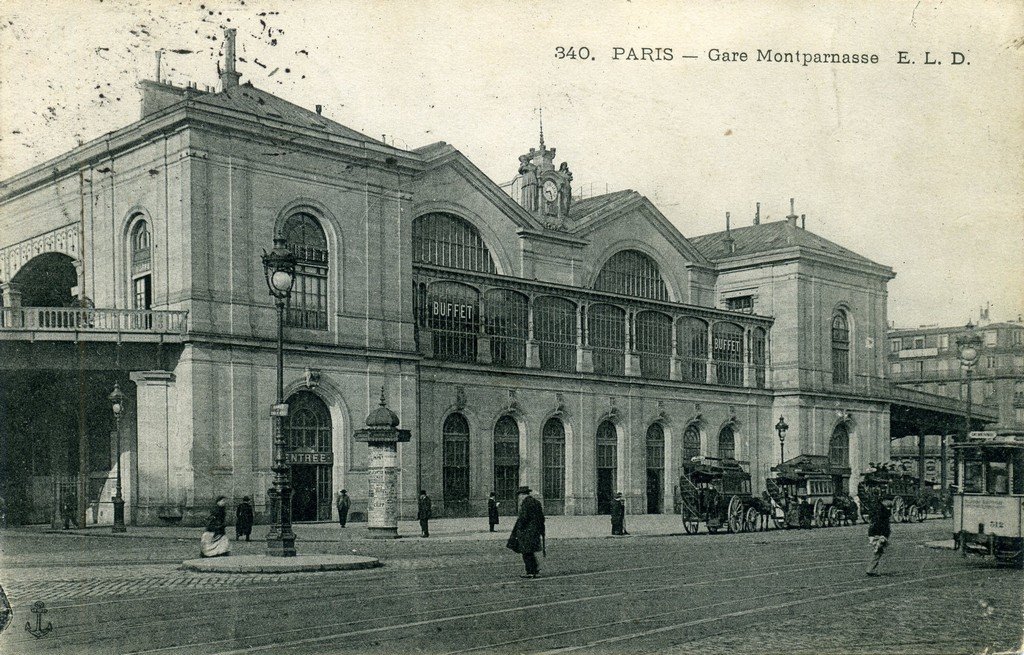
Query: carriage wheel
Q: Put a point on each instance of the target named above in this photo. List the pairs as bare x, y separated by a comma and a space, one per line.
898, 510
819, 513
835, 516
735, 515
778, 517
691, 525
913, 514
752, 520
922, 514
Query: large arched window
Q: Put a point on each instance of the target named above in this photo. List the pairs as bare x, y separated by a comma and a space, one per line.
691, 442
728, 353
553, 462
606, 325
692, 344
453, 318
759, 355
632, 273
607, 465
727, 443
655, 467
449, 241
840, 349
506, 460
654, 344
141, 259
507, 315
307, 306
455, 465
839, 447
554, 330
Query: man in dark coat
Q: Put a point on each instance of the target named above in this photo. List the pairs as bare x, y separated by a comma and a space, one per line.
878, 532
423, 513
492, 511
344, 503
618, 515
244, 519
528, 533
68, 510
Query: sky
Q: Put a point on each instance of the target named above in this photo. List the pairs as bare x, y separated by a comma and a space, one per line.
918, 167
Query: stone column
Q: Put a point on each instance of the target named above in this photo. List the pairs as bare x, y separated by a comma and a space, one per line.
584, 353
11, 316
159, 455
382, 436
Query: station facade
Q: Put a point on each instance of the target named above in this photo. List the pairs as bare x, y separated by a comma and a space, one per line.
524, 335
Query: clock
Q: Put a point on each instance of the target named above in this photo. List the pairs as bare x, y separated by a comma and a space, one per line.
550, 190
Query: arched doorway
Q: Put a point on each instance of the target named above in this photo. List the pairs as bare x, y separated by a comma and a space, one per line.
607, 464
455, 467
839, 457
552, 449
655, 467
307, 433
506, 463
46, 281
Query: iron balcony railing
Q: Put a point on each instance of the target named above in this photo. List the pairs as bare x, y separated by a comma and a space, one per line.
79, 319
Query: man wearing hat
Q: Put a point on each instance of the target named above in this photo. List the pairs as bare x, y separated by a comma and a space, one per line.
344, 503
618, 515
528, 533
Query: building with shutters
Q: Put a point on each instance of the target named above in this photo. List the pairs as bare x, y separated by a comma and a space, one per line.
525, 335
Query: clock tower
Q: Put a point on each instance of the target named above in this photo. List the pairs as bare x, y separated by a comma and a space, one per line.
545, 190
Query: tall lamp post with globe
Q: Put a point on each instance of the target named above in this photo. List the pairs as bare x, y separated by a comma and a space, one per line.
116, 399
781, 427
279, 268
968, 348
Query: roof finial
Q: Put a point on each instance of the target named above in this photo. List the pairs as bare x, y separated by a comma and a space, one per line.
757, 215
791, 219
383, 403
726, 221
541, 110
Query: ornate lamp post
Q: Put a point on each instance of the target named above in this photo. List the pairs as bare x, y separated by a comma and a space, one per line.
116, 399
968, 347
781, 428
279, 268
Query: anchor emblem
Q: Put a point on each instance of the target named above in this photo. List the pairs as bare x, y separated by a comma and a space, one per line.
39, 608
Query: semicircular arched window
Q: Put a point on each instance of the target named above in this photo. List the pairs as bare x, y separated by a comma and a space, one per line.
307, 306
840, 349
632, 273
449, 241
141, 260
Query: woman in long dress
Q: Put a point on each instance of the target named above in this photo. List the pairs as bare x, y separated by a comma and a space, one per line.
214, 543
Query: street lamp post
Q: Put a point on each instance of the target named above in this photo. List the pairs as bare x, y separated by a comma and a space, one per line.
116, 399
781, 428
279, 268
968, 347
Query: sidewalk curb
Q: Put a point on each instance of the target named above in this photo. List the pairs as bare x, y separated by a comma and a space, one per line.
266, 564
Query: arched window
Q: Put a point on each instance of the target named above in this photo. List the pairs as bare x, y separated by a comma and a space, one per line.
759, 355
839, 447
840, 349
692, 344
453, 317
607, 465
727, 443
606, 325
449, 241
507, 315
654, 344
728, 353
691, 442
455, 465
307, 433
506, 460
553, 461
141, 259
554, 330
632, 273
307, 306
655, 467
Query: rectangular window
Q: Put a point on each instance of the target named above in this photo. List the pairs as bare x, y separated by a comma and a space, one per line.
918, 342
990, 390
894, 345
990, 362
998, 480
917, 367
740, 304
991, 338
943, 342
974, 477
1018, 337
896, 368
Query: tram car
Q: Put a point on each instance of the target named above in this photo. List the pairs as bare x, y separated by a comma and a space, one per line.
803, 495
717, 492
887, 482
987, 508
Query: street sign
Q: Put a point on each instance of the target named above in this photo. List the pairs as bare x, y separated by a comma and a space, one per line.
982, 434
279, 410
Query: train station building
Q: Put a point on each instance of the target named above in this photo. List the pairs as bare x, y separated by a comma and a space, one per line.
525, 335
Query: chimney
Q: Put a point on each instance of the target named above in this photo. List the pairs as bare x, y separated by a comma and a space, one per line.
229, 76
319, 110
730, 243
803, 221
158, 54
791, 219
757, 215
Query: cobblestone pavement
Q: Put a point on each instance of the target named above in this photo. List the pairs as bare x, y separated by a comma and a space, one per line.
774, 592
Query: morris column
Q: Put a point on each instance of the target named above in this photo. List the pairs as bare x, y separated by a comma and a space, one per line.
383, 436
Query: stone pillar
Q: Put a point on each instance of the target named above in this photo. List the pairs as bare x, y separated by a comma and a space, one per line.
11, 316
584, 353
920, 458
382, 436
712, 377
159, 454
532, 347
748, 371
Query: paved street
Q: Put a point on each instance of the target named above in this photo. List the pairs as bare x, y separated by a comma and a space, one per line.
460, 591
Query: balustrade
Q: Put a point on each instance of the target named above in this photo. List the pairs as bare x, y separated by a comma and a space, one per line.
81, 319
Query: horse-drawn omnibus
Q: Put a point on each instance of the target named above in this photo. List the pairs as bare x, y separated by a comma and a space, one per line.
803, 494
717, 492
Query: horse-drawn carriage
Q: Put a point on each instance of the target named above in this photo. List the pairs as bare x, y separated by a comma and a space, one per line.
910, 500
803, 495
717, 492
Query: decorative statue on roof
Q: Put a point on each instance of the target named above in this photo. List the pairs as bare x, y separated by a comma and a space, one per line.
545, 191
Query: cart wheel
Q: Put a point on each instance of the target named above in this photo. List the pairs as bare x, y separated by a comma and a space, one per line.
734, 518
922, 514
819, 513
691, 526
751, 520
898, 510
835, 516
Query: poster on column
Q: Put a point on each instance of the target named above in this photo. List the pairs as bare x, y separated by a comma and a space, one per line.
720, 235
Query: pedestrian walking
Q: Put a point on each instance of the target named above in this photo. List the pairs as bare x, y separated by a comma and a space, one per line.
68, 509
878, 533
344, 503
423, 513
244, 517
492, 511
528, 533
619, 515
214, 543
